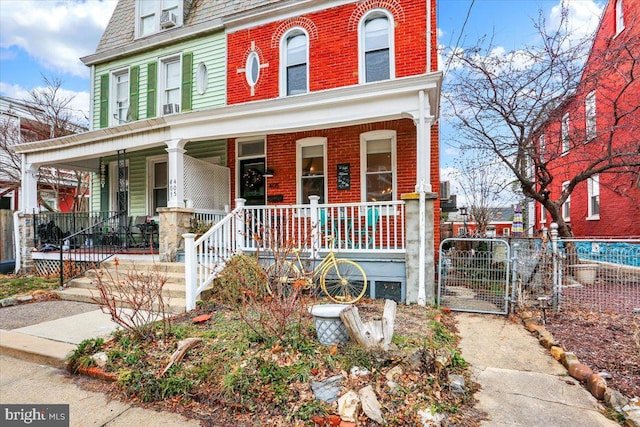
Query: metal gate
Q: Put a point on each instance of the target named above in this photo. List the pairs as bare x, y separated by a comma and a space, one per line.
475, 275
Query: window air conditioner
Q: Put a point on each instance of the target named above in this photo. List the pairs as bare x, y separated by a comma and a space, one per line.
168, 19
170, 108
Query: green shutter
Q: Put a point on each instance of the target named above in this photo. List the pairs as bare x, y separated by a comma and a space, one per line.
134, 93
187, 81
152, 82
104, 100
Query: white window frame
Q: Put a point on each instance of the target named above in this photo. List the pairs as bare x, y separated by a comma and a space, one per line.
593, 190
373, 136
566, 206
310, 142
506, 231
283, 59
543, 214
151, 161
564, 133
113, 97
619, 16
162, 66
362, 69
590, 115
113, 186
159, 8
541, 147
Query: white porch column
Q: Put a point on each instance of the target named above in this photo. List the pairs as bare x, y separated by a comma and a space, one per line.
175, 148
29, 189
423, 144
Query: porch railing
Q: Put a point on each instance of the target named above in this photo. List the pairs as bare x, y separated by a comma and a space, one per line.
53, 227
356, 227
87, 248
209, 216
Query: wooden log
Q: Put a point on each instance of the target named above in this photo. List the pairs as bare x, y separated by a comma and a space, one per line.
373, 334
183, 347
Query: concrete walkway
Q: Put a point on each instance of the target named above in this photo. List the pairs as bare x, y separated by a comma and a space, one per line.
23, 382
522, 385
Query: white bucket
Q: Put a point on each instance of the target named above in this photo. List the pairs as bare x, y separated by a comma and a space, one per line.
329, 326
586, 273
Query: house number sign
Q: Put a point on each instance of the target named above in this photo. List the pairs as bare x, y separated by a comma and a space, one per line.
344, 176
173, 189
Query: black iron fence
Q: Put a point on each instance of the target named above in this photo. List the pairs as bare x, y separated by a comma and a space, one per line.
53, 228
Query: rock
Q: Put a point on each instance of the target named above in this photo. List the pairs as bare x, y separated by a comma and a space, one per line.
202, 318
327, 390
615, 399
580, 372
524, 315
557, 352
457, 384
569, 359
532, 325
443, 357
605, 375
632, 412
597, 386
348, 406
101, 359
25, 298
546, 339
413, 362
392, 385
319, 421
370, 404
394, 373
8, 302
357, 371
428, 418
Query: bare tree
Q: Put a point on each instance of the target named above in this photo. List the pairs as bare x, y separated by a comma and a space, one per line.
485, 185
503, 100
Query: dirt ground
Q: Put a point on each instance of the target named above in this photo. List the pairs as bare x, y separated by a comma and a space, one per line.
606, 342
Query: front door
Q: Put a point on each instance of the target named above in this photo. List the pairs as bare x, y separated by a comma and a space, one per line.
251, 179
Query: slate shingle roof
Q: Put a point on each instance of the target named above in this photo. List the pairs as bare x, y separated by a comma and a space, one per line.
121, 28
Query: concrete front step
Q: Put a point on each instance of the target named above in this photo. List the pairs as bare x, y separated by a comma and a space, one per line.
125, 265
172, 304
172, 277
171, 290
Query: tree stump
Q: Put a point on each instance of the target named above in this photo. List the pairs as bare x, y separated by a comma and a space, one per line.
373, 334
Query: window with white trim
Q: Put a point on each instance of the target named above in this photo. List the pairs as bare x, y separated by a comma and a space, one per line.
590, 115
119, 97
294, 70
541, 146
171, 73
158, 175
376, 47
543, 214
565, 133
378, 165
566, 206
153, 16
312, 169
593, 195
619, 16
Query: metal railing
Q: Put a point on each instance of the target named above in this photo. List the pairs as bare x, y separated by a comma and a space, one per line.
87, 248
53, 227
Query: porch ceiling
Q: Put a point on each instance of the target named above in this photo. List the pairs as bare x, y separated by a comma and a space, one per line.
388, 100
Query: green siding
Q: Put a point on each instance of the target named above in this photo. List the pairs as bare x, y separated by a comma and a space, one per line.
209, 49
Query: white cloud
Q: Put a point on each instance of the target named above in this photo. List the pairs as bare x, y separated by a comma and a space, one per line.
79, 105
55, 33
582, 19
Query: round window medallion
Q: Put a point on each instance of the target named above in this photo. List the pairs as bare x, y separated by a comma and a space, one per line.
252, 68
202, 78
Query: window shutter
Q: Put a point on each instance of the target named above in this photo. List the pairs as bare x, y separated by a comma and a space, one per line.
187, 81
152, 82
134, 93
104, 100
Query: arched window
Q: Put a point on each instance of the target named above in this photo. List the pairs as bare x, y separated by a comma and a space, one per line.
376, 47
294, 60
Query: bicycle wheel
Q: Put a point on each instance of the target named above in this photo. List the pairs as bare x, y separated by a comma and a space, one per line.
344, 282
281, 277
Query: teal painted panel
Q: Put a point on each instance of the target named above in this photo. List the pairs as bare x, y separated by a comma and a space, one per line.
209, 49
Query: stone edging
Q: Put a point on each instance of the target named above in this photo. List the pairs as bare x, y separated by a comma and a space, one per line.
596, 384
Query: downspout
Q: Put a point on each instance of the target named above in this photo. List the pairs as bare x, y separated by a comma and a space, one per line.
422, 249
16, 240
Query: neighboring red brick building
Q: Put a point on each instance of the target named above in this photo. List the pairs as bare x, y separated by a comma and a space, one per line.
602, 117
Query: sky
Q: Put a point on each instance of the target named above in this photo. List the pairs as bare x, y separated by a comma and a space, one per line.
47, 37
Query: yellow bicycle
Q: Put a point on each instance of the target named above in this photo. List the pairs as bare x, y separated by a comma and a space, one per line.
342, 280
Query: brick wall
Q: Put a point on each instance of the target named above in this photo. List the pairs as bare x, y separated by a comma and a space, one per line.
333, 48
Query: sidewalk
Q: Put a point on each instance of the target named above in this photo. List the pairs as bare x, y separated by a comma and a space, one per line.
522, 385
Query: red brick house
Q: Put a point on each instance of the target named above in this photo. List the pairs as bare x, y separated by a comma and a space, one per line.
603, 116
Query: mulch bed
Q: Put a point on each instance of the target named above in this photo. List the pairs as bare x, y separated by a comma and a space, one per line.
606, 342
